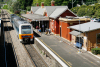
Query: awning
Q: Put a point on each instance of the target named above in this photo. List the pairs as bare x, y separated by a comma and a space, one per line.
76, 33
35, 17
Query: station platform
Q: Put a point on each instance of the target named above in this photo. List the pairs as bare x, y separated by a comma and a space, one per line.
67, 52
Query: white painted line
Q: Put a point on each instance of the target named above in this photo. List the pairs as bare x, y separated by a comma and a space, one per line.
94, 55
60, 61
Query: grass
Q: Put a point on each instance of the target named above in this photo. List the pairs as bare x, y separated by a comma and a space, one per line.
9, 11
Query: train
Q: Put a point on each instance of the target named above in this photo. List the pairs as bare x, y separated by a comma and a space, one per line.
23, 28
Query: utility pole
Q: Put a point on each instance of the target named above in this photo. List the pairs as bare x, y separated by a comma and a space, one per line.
82, 2
72, 3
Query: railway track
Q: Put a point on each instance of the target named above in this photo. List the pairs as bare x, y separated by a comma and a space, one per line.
11, 59
34, 55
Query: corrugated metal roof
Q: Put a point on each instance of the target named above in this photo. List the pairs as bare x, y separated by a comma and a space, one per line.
40, 11
35, 17
48, 9
57, 12
76, 33
33, 9
51, 9
85, 27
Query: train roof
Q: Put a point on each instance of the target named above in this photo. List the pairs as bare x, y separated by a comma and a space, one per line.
20, 20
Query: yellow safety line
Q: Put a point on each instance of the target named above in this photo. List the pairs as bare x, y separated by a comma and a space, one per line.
55, 53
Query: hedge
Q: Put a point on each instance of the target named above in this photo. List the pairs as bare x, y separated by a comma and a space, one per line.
95, 51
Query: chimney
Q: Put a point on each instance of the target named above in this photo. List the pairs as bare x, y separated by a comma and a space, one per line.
52, 3
37, 4
42, 4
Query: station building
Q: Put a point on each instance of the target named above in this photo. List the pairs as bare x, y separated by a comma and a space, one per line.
65, 22
89, 34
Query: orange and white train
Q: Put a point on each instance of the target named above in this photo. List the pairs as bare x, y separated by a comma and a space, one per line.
23, 28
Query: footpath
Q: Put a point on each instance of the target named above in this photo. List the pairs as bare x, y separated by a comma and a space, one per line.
67, 53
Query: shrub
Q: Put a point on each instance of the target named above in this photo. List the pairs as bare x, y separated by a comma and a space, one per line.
95, 50
5, 7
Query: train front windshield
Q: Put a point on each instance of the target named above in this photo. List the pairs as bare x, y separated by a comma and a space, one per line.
26, 29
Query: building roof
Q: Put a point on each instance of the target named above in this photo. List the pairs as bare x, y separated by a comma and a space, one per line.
76, 33
57, 12
35, 17
51, 9
85, 27
40, 11
33, 9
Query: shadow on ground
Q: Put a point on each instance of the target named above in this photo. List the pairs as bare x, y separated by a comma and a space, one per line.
11, 62
8, 28
36, 34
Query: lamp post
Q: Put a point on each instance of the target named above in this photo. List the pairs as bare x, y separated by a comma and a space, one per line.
61, 32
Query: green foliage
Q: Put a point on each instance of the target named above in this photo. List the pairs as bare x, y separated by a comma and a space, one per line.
75, 9
64, 3
97, 13
83, 6
95, 50
81, 12
90, 11
15, 7
24, 3
5, 7
28, 8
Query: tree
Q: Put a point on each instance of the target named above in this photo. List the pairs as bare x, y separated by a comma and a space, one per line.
90, 11
15, 6
24, 3
81, 12
97, 13
75, 9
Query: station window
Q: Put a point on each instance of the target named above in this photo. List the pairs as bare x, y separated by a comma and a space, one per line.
98, 38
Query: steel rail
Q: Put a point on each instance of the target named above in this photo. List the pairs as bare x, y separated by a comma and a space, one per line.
37, 54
